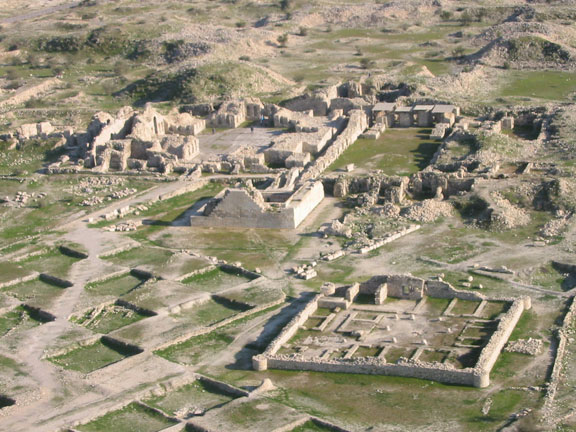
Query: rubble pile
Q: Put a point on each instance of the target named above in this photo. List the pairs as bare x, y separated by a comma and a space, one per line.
428, 211
529, 346
506, 215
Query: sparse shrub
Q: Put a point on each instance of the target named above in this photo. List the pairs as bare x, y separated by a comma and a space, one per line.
303, 31
466, 19
506, 65
445, 15
458, 52
33, 60
60, 44
244, 58
359, 51
366, 63
285, 5
120, 68
299, 78
12, 75
241, 24
283, 40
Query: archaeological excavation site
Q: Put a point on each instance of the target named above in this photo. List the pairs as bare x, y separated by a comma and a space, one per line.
287, 216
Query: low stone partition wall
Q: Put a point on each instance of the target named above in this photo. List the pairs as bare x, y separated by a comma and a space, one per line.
72, 252
195, 273
381, 242
143, 274
223, 387
53, 280
109, 276
133, 307
292, 327
327, 425
17, 281
38, 314
240, 271
191, 187
220, 324
121, 249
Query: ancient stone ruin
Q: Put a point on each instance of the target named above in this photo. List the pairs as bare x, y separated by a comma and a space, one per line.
133, 140
397, 325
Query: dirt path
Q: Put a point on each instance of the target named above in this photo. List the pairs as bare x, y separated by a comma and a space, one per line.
38, 13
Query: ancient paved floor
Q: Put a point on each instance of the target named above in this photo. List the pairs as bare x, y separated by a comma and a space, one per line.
230, 140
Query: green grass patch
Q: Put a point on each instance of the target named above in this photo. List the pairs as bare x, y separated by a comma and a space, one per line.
547, 85
108, 319
464, 307
88, 358
115, 286
54, 263
214, 280
207, 314
17, 317
256, 295
11, 271
132, 418
197, 348
36, 293
199, 394
153, 258
396, 152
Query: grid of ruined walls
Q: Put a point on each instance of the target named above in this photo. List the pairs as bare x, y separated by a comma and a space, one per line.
357, 123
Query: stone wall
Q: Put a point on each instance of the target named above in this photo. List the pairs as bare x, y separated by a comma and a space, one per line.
427, 371
26, 93
492, 350
357, 123
563, 336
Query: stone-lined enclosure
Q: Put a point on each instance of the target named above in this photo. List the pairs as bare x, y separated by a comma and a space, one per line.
391, 325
